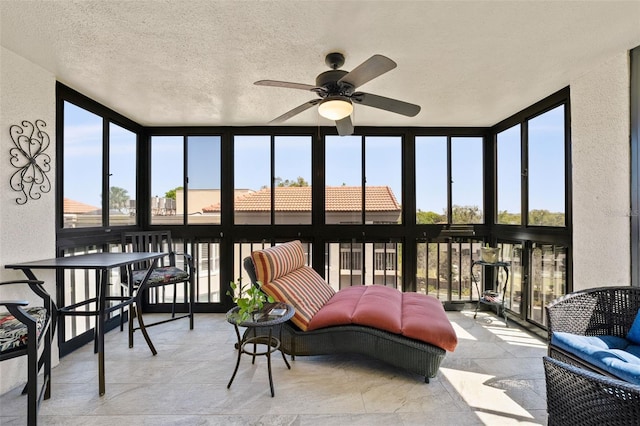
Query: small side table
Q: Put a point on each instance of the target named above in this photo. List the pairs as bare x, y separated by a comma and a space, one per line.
496, 296
272, 343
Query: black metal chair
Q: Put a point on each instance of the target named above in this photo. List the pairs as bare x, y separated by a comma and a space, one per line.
165, 274
27, 331
580, 397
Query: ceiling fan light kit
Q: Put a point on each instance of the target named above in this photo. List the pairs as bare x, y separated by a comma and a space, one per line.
335, 108
336, 88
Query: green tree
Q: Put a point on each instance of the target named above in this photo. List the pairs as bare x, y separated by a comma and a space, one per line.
118, 198
429, 217
545, 218
506, 218
299, 182
172, 192
466, 214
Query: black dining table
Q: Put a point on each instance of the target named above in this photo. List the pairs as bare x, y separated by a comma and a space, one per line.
101, 263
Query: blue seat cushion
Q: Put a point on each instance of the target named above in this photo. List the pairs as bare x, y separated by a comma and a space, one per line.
14, 334
634, 332
613, 354
162, 275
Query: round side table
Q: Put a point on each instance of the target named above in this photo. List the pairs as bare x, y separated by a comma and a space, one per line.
272, 343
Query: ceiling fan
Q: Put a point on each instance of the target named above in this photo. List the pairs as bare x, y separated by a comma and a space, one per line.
336, 89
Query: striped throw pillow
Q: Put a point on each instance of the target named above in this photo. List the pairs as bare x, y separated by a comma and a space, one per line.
304, 289
274, 262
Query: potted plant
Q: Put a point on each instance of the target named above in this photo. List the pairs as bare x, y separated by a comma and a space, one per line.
489, 254
249, 299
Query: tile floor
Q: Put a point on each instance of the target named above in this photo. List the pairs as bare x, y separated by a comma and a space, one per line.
494, 377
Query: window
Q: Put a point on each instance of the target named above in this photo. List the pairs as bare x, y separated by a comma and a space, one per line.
355, 263
381, 177
546, 168
431, 179
82, 176
512, 254
204, 189
532, 194
548, 278
167, 179
367, 178
194, 198
207, 259
290, 180
351, 257
252, 178
343, 179
437, 158
86, 138
292, 160
466, 181
509, 171
122, 176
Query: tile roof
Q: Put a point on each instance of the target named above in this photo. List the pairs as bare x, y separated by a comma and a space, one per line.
72, 206
298, 199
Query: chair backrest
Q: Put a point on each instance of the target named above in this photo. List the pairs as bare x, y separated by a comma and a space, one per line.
579, 397
595, 311
148, 241
251, 269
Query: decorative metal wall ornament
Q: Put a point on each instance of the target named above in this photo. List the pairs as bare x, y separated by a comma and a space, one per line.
29, 158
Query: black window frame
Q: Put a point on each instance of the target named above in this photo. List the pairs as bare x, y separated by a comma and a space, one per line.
409, 234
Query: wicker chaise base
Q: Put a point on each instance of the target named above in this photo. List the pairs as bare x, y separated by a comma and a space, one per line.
413, 355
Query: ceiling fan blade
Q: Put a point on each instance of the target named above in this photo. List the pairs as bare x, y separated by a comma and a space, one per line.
388, 104
373, 67
297, 110
344, 126
275, 83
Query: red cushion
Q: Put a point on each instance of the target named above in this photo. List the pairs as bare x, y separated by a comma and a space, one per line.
424, 318
338, 310
413, 315
380, 307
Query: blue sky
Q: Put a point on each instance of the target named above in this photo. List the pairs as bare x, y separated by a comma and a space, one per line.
83, 150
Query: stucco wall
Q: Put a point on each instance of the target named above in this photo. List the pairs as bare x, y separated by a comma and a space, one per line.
27, 232
601, 174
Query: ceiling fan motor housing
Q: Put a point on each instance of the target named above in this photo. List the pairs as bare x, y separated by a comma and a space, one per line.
329, 80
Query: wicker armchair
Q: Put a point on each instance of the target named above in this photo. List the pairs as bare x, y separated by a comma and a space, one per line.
603, 311
579, 397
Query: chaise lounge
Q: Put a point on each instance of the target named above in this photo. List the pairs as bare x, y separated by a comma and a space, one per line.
406, 330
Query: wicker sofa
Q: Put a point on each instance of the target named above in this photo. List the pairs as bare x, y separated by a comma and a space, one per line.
281, 268
594, 329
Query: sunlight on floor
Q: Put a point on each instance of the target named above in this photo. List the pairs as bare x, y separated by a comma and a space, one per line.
461, 332
516, 337
475, 391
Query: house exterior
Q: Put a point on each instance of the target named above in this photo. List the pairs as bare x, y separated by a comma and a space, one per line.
292, 205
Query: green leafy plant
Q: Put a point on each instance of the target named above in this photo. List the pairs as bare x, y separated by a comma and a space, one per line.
249, 298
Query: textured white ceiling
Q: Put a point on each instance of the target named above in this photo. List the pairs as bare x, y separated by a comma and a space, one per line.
194, 62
